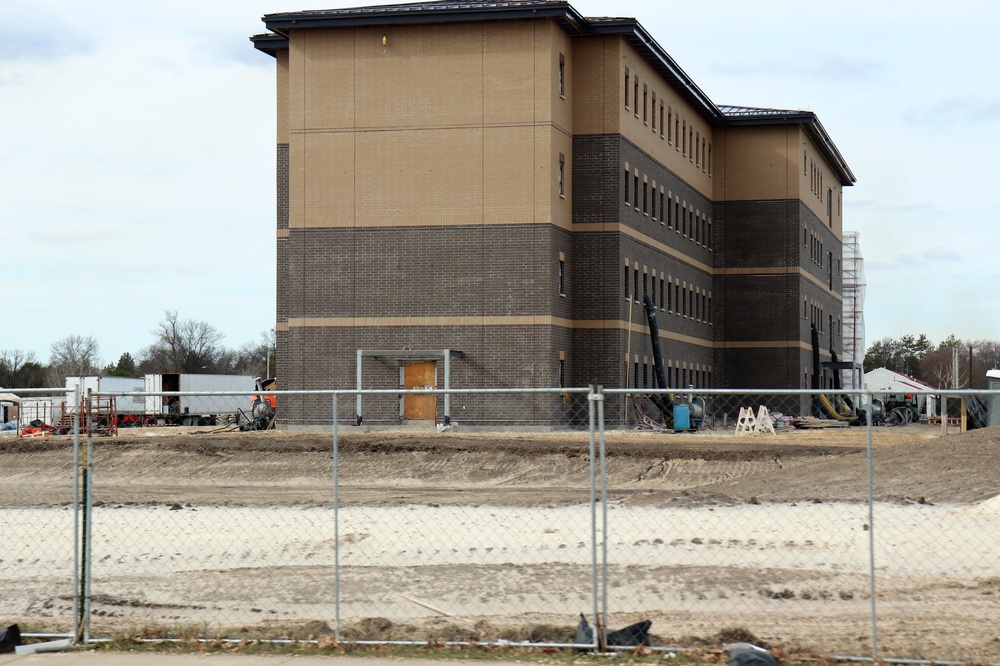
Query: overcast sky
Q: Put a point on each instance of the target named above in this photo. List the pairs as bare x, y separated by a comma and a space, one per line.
137, 153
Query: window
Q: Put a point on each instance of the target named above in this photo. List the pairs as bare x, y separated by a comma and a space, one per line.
670, 125
691, 145
661, 205
628, 177
709, 159
684, 135
670, 297
562, 277
677, 141
829, 206
635, 283
635, 95
654, 113
627, 86
645, 283
653, 207
645, 198
562, 175
562, 372
661, 118
697, 152
635, 374
636, 177
652, 289
645, 374
627, 293
645, 104
661, 291
562, 76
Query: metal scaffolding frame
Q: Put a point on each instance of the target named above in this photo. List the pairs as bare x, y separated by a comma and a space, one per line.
854, 308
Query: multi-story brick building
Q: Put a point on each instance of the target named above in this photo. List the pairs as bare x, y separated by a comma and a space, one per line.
479, 193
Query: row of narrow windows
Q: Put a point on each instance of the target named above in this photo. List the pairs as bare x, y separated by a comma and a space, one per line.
674, 373
661, 205
816, 315
671, 296
672, 127
815, 245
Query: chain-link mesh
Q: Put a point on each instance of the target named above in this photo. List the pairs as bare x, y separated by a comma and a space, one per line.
37, 588
728, 516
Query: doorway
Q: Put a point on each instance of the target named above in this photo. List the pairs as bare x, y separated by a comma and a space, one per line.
418, 375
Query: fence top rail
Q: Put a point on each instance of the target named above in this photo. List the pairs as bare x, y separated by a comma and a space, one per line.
62, 391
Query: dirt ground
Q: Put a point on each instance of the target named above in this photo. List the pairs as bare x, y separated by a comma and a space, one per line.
803, 582
911, 464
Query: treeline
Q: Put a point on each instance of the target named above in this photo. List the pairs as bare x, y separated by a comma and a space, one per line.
179, 345
935, 366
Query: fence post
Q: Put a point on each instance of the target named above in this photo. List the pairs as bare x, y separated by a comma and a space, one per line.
592, 398
78, 617
871, 528
336, 523
604, 515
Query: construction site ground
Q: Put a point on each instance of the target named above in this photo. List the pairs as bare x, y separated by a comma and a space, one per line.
914, 466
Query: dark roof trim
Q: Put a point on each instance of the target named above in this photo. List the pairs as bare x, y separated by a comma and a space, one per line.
446, 11
269, 43
741, 116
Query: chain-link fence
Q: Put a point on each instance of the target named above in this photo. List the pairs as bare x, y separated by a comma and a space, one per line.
690, 516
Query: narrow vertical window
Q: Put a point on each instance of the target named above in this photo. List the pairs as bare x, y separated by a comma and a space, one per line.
627, 86
654, 112
709, 159
703, 161
627, 293
661, 291
670, 125
661, 204
635, 283
635, 94
645, 104
562, 76
670, 297
562, 175
636, 182
628, 178
661, 118
677, 141
697, 153
684, 135
691, 144
562, 277
562, 373
653, 206
645, 198
652, 289
645, 284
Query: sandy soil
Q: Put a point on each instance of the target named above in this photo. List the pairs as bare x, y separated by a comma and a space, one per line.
706, 533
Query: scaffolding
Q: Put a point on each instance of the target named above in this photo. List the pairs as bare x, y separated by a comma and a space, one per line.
854, 309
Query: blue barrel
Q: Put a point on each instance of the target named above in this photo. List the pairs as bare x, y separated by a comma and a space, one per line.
682, 417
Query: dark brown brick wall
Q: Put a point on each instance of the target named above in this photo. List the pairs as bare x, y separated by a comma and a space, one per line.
769, 306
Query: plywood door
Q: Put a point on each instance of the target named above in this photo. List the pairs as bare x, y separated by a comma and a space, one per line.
415, 376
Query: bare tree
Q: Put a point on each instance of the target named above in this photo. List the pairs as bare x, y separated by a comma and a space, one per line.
183, 345
19, 369
73, 356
